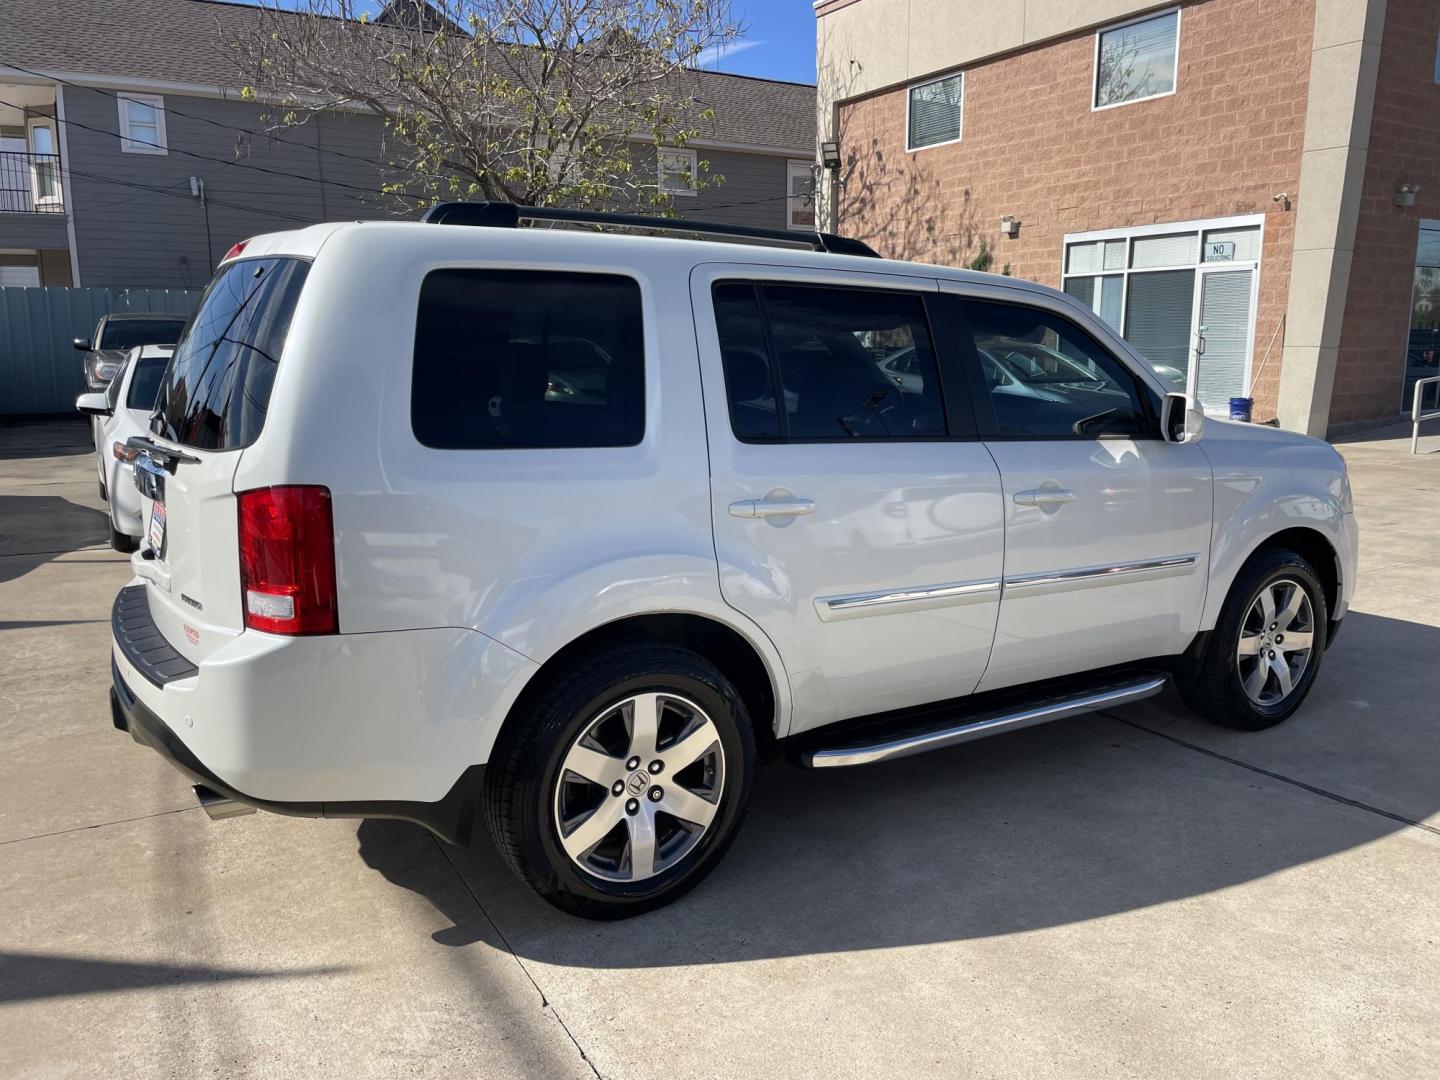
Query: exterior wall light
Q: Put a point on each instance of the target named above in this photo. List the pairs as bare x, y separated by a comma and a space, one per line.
1405, 194
830, 155
1009, 226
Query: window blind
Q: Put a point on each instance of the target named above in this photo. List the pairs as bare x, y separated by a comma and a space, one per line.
1225, 315
1176, 249
1157, 316
935, 111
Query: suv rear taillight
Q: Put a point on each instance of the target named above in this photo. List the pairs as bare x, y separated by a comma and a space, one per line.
287, 560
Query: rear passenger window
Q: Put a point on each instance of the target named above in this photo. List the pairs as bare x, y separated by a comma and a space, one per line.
522, 358
850, 363
1049, 379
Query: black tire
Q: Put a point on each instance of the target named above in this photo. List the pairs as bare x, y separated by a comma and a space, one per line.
123, 542
525, 769
1214, 688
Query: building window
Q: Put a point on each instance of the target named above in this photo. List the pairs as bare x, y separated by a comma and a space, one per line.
677, 172
936, 110
800, 206
1182, 295
142, 123
1137, 61
1422, 351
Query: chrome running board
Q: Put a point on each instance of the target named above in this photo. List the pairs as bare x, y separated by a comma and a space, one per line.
918, 737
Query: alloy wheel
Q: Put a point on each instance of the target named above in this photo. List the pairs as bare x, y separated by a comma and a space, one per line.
639, 787
1276, 638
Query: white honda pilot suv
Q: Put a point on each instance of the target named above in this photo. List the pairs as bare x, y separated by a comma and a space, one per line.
572, 528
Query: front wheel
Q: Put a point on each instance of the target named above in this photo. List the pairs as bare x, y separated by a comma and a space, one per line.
625, 784
1260, 661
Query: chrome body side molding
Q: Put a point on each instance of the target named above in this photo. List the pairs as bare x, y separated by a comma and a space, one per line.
914, 742
919, 598
1086, 577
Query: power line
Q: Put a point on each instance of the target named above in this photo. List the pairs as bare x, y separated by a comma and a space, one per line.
223, 161
202, 119
98, 177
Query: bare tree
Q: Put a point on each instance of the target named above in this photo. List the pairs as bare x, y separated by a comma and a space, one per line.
542, 102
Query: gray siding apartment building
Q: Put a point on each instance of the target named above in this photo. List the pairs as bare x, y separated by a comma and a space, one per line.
88, 198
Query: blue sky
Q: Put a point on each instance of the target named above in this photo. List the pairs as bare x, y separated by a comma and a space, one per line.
779, 40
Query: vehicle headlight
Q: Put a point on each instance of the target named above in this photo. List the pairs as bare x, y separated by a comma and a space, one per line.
99, 371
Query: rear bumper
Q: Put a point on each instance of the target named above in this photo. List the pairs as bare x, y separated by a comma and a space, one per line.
370, 725
450, 818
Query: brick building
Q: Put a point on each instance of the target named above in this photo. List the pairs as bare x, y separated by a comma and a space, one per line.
1232, 184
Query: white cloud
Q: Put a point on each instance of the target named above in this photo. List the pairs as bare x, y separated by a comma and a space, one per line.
715, 53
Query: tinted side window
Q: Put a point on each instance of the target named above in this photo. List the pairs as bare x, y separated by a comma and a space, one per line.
1047, 378
217, 387
522, 358
749, 382
145, 383
834, 350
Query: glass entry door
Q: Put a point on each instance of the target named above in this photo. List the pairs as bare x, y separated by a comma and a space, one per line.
1221, 336
1422, 350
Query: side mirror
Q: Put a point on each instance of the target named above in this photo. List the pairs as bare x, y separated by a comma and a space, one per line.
81, 344
1181, 419
94, 405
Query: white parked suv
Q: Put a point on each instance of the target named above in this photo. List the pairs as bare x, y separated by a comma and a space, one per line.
573, 528
120, 411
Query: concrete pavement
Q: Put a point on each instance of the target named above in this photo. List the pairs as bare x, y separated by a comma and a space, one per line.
1128, 895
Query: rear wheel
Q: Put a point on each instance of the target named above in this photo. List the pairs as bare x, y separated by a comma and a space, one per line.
123, 541
625, 784
1261, 659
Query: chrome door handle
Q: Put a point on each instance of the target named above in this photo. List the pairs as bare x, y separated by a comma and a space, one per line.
1043, 497
764, 508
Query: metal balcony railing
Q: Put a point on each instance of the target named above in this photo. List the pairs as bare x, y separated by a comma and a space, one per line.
30, 183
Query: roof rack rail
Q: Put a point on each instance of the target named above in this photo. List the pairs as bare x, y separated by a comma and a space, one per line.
503, 215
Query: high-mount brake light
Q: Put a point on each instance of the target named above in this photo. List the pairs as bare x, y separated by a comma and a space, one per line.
235, 250
287, 560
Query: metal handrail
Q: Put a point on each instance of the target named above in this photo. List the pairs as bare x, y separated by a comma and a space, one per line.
1416, 416
25, 179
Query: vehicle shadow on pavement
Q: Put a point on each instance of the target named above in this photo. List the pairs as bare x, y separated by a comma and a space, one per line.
1040, 828
45, 437
36, 528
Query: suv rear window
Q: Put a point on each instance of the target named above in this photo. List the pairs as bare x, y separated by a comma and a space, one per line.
127, 333
145, 383
217, 387
524, 358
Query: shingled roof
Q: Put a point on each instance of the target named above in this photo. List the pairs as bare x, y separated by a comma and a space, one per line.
184, 41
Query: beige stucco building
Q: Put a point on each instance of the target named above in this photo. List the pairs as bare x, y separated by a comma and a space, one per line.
1248, 191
